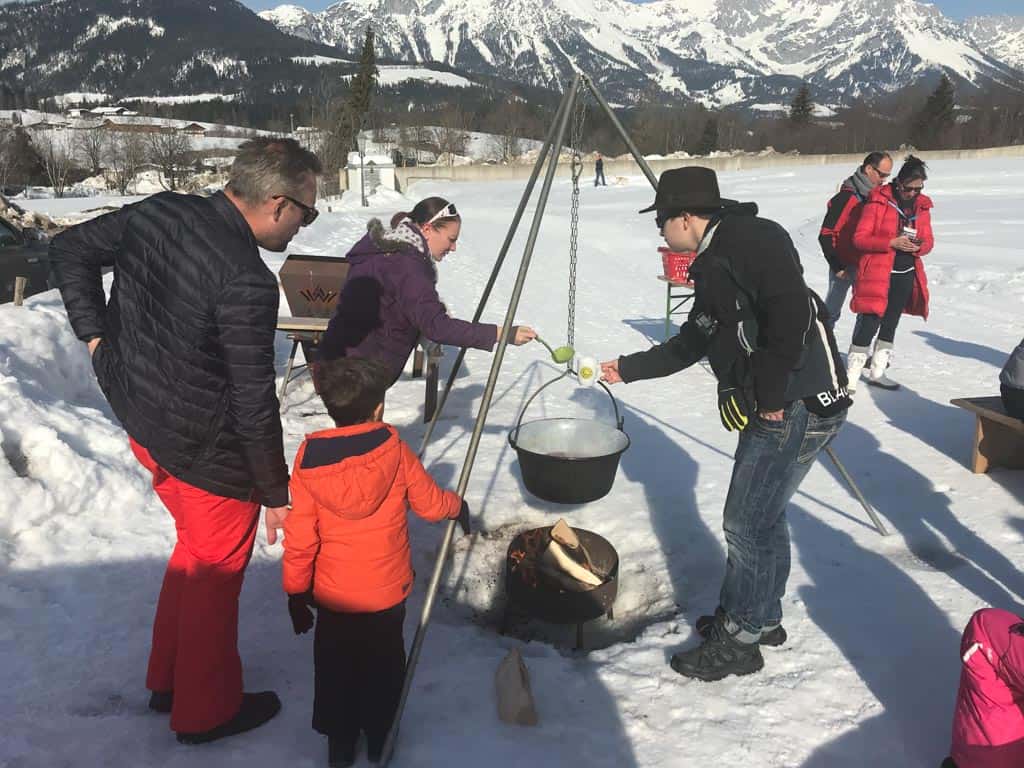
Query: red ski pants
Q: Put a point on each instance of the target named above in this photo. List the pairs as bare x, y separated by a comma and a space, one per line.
195, 632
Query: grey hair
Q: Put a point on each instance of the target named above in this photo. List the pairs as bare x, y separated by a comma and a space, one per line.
267, 166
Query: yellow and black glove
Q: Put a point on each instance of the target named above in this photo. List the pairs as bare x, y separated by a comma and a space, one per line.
733, 409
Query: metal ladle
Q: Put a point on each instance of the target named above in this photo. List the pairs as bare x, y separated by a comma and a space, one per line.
560, 355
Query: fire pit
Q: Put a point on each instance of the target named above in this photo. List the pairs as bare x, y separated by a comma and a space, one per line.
535, 589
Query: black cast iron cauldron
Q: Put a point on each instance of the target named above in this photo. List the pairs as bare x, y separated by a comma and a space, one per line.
569, 460
529, 593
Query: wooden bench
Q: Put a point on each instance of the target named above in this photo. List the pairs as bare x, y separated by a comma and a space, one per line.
998, 437
311, 329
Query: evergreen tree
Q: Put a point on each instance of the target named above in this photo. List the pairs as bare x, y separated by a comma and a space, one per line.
361, 89
801, 109
936, 117
709, 139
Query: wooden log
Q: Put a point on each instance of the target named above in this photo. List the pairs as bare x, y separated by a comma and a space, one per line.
19, 290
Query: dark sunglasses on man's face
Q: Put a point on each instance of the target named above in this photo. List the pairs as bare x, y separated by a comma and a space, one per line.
881, 175
309, 213
661, 218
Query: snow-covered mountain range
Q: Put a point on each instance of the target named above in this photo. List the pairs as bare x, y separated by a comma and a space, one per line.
720, 52
1001, 36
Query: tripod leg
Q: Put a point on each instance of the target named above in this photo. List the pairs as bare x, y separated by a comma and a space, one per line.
856, 492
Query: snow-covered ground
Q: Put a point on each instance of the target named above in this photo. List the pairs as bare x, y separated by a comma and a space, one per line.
868, 676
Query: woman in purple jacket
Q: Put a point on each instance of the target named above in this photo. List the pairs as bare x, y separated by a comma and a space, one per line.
390, 299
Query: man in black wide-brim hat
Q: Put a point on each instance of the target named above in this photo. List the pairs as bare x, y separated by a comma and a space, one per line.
781, 385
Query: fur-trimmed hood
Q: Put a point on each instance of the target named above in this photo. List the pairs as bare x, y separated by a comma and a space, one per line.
405, 235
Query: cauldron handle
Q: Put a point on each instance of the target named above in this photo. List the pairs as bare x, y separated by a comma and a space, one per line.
514, 437
618, 417
619, 421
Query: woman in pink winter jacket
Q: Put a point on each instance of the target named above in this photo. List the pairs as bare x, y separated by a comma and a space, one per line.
988, 723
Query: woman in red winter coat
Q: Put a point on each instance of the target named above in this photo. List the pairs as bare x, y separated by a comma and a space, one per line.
894, 232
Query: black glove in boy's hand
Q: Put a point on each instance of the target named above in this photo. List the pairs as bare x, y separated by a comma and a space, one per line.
302, 616
463, 518
733, 409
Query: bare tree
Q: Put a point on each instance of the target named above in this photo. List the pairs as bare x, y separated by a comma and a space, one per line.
126, 154
422, 138
56, 156
510, 120
404, 142
326, 108
91, 144
451, 138
171, 152
8, 159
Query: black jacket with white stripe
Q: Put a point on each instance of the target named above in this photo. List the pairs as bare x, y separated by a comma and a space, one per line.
187, 352
754, 318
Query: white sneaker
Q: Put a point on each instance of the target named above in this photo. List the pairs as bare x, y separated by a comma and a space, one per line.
856, 359
880, 361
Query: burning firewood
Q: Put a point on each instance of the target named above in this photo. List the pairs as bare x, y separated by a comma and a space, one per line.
566, 561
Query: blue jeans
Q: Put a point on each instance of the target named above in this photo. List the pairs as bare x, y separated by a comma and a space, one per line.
772, 459
838, 288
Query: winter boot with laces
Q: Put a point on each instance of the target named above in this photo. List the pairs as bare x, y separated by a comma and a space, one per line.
856, 359
719, 656
771, 636
879, 362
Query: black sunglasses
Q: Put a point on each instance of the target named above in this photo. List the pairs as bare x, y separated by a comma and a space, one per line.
309, 213
881, 175
661, 218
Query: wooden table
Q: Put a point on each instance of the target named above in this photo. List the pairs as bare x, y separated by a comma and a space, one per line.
679, 292
299, 329
311, 329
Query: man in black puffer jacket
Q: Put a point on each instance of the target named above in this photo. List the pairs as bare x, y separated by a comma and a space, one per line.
184, 352
781, 385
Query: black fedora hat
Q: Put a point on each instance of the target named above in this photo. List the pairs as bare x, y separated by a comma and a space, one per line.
692, 188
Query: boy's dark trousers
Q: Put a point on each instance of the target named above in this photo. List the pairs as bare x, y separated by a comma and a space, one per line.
359, 667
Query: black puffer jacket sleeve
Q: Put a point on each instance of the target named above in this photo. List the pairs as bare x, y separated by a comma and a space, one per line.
681, 351
78, 256
246, 317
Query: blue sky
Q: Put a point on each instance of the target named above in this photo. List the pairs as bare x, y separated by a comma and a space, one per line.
957, 9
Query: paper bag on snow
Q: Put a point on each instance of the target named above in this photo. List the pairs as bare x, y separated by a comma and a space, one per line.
515, 700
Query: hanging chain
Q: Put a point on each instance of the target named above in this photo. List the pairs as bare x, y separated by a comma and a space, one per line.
574, 213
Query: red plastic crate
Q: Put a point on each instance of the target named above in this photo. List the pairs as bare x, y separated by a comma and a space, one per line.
676, 265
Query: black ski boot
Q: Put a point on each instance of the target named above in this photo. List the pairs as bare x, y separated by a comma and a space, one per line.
772, 638
161, 701
719, 656
257, 708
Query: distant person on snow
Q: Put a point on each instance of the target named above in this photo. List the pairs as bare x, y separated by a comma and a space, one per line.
893, 235
988, 721
390, 299
781, 385
184, 352
599, 171
346, 551
836, 237
1011, 383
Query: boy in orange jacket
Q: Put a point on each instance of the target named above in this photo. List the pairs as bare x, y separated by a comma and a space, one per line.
346, 551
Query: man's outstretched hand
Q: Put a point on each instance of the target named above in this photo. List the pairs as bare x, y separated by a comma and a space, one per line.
610, 372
